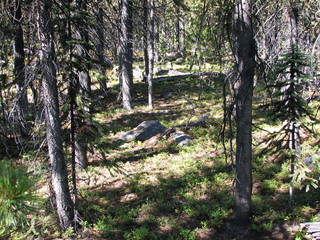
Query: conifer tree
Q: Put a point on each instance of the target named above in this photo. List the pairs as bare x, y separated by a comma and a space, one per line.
244, 54
60, 183
126, 54
19, 67
289, 106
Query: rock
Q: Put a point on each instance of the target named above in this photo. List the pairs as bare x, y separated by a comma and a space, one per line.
181, 138
128, 136
148, 129
308, 161
125, 145
143, 131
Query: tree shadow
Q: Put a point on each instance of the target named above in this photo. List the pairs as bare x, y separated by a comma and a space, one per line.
133, 155
156, 204
174, 207
171, 207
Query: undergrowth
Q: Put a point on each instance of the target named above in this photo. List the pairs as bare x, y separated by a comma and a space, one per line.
174, 192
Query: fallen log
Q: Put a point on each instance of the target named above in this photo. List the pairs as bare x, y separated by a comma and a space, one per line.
134, 152
313, 228
198, 123
184, 76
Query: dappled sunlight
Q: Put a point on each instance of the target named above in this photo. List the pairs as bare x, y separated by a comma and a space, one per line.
172, 191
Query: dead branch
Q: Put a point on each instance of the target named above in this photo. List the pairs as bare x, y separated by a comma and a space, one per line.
184, 76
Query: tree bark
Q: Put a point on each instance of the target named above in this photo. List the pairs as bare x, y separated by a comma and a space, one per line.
51, 106
126, 75
104, 62
81, 35
294, 143
180, 34
19, 67
244, 53
151, 55
145, 38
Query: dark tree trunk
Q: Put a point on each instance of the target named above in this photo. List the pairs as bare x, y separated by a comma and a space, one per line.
292, 146
244, 52
19, 67
104, 63
81, 35
156, 36
81, 145
51, 106
294, 142
293, 18
179, 33
72, 113
126, 76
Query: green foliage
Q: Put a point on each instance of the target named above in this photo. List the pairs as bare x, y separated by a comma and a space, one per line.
270, 186
69, 232
186, 234
289, 80
304, 176
299, 236
141, 233
307, 172
289, 106
17, 196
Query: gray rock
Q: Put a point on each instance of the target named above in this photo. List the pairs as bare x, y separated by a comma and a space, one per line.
125, 145
143, 131
181, 138
129, 136
308, 161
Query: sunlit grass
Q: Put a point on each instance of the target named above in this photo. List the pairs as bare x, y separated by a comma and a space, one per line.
173, 192
168, 189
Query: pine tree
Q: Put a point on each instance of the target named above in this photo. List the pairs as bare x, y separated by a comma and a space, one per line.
126, 54
59, 177
289, 106
244, 54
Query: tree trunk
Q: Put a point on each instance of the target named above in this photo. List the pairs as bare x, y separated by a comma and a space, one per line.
72, 109
81, 145
51, 106
294, 142
126, 76
104, 63
151, 55
145, 39
293, 19
244, 53
19, 67
180, 34
156, 37
81, 35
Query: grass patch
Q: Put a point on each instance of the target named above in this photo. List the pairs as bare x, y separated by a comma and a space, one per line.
176, 192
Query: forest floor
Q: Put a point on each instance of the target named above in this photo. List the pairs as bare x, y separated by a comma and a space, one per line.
172, 192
